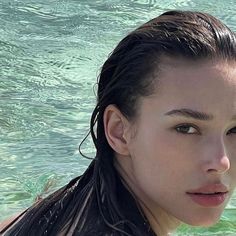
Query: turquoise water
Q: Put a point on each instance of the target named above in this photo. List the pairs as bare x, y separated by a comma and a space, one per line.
50, 55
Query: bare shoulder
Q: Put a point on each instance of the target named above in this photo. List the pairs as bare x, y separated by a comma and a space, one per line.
9, 221
15, 218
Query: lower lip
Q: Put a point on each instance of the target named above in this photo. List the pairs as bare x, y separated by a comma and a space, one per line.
208, 200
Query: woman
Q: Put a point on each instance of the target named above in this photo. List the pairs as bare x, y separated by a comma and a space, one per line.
164, 130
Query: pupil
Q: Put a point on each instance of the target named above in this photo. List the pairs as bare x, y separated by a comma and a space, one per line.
184, 129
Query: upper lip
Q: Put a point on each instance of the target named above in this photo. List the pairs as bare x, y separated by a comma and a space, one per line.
210, 188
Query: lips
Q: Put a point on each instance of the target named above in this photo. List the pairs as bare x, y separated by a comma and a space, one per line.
210, 195
210, 189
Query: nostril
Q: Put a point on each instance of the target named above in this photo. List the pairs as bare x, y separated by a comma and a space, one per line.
211, 170
221, 165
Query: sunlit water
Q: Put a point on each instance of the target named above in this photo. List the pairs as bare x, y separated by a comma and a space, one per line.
50, 55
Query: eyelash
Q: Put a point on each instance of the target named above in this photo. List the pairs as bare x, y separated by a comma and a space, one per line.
188, 126
234, 128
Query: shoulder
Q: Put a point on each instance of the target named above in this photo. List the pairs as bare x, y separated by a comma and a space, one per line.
8, 222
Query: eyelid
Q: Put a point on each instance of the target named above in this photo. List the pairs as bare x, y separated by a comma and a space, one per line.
198, 130
190, 125
227, 133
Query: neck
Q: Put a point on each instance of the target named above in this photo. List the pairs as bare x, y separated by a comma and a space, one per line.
160, 221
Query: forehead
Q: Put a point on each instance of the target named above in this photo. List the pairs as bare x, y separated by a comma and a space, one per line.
198, 84
183, 74
170, 66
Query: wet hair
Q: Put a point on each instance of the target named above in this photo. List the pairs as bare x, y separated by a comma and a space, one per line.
126, 76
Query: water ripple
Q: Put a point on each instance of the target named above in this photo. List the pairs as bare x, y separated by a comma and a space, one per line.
37, 11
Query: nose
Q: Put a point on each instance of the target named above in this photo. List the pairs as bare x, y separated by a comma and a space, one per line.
217, 160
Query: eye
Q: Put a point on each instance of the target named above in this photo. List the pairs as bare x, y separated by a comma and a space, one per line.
232, 131
186, 129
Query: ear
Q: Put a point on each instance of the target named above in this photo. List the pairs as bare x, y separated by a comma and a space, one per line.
116, 125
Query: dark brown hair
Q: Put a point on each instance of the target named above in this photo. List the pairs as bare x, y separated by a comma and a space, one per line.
125, 77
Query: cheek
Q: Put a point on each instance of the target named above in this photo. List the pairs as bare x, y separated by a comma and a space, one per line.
231, 154
233, 169
159, 157
159, 148
169, 149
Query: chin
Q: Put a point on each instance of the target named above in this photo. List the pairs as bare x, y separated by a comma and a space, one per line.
204, 221
203, 217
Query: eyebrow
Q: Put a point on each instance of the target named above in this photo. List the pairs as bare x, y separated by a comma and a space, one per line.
189, 113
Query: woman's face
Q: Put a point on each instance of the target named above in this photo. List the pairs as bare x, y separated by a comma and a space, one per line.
182, 147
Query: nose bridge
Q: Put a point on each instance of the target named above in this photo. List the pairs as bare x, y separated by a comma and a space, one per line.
220, 145
216, 154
